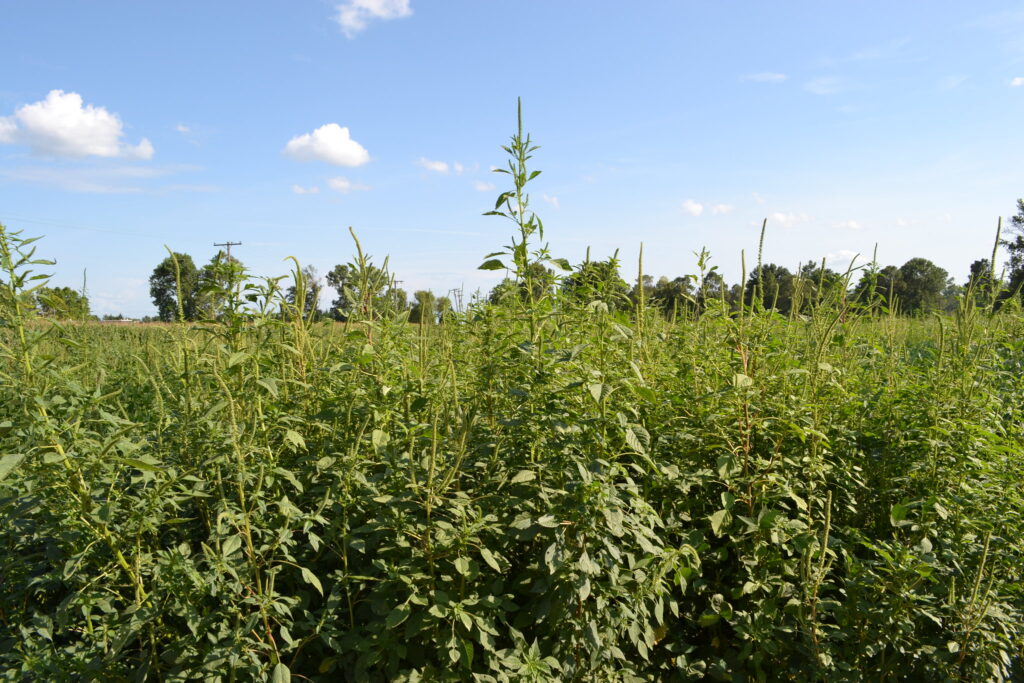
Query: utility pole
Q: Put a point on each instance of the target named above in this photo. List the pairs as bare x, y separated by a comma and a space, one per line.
228, 245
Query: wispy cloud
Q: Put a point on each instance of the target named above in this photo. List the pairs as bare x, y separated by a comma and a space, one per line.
786, 220
482, 186
1017, 82
298, 189
721, 209
431, 165
693, 208
765, 77
105, 180
841, 258
828, 85
847, 225
62, 126
183, 129
355, 15
344, 185
552, 200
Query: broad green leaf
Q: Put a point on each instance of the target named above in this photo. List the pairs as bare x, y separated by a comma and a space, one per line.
9, 462
524, 476
740, 380
492, 264
139, 464
312, 579
719, 520
489, 558
230, 545
281, 674
397, 615
295, 439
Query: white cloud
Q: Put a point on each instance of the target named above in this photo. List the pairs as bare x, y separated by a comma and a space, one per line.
330, 143
552, 200
435, 166
298, 189
823, 86
848, 225
183, 129
60, 126
787, 220
765, 77
482, 186
344, 185
1017, 82
354, 15
843, 258
693, 208
721, 209
458, 168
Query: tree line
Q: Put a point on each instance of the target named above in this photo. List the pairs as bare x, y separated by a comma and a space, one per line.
180, 290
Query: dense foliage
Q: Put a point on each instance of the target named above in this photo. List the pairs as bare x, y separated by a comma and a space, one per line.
545, 487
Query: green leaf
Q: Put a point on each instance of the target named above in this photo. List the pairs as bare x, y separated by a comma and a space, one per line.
462, 565
139, 464
489, 558
281, 674
236, 358
270, 384
720, 519
229, 546
524, 476
562, 263
492, 264
295, 439
740, 380
898, 514
312, 579
397, 615
9, 462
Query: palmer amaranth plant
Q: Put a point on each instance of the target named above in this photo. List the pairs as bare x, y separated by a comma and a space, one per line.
560, 484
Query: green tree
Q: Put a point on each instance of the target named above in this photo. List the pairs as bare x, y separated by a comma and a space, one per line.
815, 282
62, 303
878, 285
773, 284
673, 296
979, 281
597, 280
537, 279
313, 285
1016, 248
163, 287
215, 283
368, 290
444, 308
424, 307
920, 286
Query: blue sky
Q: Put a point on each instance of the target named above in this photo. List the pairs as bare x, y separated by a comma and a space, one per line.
125, 126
